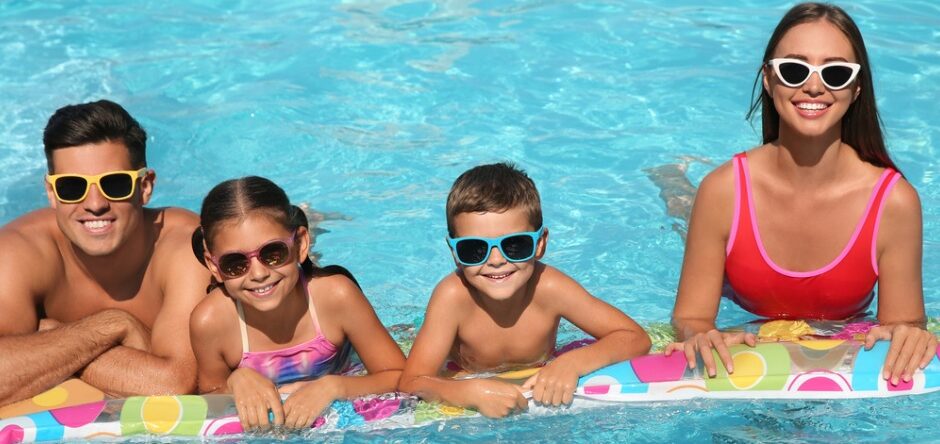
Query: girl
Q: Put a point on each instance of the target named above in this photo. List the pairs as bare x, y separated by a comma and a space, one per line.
274, 323
806, 224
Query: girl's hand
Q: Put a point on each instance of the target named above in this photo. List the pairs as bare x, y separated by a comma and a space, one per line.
255, 395
704, 343
308, 399
911, 348
495, 399
554, 384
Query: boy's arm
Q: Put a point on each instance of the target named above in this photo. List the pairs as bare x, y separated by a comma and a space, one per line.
433, 343
618, 338
36, 361
170, 366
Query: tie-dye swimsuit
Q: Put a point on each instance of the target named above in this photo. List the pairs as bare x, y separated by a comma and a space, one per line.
308, 360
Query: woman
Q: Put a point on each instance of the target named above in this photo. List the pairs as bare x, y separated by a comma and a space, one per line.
804, 225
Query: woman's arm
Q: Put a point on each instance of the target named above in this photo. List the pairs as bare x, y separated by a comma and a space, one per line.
900, 287
699, 294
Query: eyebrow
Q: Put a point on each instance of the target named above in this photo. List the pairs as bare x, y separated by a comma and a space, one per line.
805, 59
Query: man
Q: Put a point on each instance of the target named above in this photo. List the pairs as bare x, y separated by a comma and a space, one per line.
97, 286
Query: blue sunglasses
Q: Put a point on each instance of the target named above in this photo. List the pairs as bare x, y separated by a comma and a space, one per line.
515, 247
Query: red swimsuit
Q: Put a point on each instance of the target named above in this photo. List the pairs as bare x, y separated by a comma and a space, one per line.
839, 290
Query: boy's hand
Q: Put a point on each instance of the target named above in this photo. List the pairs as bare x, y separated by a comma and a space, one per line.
703, 343
911, 348
309, 400
255, 395
495, 399
555, 383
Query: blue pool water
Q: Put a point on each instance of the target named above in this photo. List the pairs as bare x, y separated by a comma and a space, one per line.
367, 110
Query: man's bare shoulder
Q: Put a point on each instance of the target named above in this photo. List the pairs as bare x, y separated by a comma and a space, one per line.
174, 263
175, 226
30, 246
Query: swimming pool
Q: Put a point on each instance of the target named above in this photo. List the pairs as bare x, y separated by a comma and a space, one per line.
368, 110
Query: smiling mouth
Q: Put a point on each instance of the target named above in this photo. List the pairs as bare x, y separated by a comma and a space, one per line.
96, 226
498, 277
811, 109
263, 291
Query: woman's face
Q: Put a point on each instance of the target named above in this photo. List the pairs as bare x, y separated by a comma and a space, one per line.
812, 109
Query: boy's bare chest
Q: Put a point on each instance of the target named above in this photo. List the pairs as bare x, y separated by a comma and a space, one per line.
482, 344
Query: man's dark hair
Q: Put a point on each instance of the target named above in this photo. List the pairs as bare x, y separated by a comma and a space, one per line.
95, 122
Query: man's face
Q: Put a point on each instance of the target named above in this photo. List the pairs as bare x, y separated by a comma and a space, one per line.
96, 225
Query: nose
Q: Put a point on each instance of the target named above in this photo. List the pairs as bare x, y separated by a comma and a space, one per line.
256, 270
814, 85
496, 258
95, 203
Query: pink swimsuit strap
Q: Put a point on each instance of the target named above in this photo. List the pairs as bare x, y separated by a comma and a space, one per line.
307, 360
840, 289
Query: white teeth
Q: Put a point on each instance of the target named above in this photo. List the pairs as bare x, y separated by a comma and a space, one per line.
811, 105
497, 276
263, 289
96, 224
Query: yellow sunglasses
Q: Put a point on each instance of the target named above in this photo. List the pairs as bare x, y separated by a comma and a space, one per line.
113, 185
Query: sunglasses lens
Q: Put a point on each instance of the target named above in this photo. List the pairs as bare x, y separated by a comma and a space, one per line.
275, 254
793, 73
117, 186
70, 187
472, 251
234, 264
837, 76
518, 248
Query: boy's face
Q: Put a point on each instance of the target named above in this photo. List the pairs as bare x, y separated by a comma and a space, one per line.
97, 225
498, 278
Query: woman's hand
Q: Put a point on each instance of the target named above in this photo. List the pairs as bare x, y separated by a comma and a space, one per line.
555, 383
309, 399
495, 399
255, 396
704, 343
911, 348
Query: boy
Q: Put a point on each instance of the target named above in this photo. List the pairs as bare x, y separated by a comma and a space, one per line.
501, 308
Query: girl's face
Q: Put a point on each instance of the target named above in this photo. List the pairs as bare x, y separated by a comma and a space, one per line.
273, 253
812, 109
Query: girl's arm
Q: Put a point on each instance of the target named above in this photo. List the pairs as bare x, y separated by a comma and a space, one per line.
210, 332
345, 304
618, 337
900, 291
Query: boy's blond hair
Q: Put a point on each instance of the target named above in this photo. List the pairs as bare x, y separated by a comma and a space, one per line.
493, 188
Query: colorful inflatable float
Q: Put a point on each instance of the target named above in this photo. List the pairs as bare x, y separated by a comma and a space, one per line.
796, 360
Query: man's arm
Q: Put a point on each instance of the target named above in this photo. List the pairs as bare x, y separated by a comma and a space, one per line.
33, 361
170, 366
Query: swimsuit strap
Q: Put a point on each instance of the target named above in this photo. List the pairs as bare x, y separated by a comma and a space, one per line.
310, 308
242, 326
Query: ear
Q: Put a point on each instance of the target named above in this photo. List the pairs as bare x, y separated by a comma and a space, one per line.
453, 255
146, 186
542, 244
303, 238
858, 90
209, 264
50, 194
